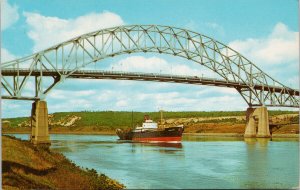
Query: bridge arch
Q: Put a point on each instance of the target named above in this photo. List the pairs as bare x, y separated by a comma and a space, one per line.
71, 56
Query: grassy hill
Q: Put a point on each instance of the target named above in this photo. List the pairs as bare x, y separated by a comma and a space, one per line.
27, 167
109, 121
124, 118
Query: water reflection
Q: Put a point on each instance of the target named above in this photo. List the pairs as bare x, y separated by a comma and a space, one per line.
162, 144
256, 163
167, 148
262, 142
197, 138
284, 139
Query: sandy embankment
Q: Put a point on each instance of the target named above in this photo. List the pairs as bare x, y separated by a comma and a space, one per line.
25, 166
232, 126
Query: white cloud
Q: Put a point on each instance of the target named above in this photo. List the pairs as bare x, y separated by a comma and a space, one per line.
191, 25
122, 103
281, 46
6, 55
143, 96
9, 107
209, 28
215, 26
219, 90
73, 104
65, 94
185, 100
158, 65
277, 54
46, 31
9, 14
141, 64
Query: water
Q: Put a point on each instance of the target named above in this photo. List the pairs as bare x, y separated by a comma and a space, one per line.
195, 163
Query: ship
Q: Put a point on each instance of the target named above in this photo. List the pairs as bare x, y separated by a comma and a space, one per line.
150, 132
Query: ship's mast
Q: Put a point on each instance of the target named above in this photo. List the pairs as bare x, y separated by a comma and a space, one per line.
132, 119
161, 116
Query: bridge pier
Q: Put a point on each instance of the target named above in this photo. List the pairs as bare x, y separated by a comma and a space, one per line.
257, 122
39, 123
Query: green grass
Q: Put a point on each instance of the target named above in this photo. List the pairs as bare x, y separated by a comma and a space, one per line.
115, 119
225, 120
280, 112
295, 120
15, 121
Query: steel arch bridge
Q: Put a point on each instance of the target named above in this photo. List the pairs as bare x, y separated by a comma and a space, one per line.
68, 58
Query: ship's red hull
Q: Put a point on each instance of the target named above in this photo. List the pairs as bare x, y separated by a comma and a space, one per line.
158, 139
171, 134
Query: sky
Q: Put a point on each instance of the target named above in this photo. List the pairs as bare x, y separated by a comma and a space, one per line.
266, 32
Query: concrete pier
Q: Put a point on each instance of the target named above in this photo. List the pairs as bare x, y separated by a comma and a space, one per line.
39, 123
257, 122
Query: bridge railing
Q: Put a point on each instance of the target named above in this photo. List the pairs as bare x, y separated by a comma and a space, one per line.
195, 77
12, 71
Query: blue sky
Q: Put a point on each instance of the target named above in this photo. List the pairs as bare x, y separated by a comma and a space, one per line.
265, 31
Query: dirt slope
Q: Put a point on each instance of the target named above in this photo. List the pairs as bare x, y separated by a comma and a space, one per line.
27, 167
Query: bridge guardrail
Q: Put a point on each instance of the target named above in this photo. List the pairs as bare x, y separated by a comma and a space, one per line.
186, 77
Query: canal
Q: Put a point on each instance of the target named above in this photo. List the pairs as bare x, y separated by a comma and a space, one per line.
197, 162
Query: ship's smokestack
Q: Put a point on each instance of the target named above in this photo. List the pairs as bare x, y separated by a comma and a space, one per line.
146, 117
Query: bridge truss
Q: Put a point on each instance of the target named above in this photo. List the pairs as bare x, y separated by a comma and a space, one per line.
68, 58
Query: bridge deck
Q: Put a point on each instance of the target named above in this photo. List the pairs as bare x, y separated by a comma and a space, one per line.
116, 75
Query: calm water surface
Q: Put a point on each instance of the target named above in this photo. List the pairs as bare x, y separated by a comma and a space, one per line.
197, 162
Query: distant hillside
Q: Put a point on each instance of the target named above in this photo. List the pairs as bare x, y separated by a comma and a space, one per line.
108, 121
121, 118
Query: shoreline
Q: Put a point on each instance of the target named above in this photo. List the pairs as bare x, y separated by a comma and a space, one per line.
276, 135
26, 166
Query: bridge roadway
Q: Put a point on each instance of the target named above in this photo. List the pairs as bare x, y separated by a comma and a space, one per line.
118, 75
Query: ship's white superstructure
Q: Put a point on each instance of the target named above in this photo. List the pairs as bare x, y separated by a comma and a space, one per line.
147, 125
